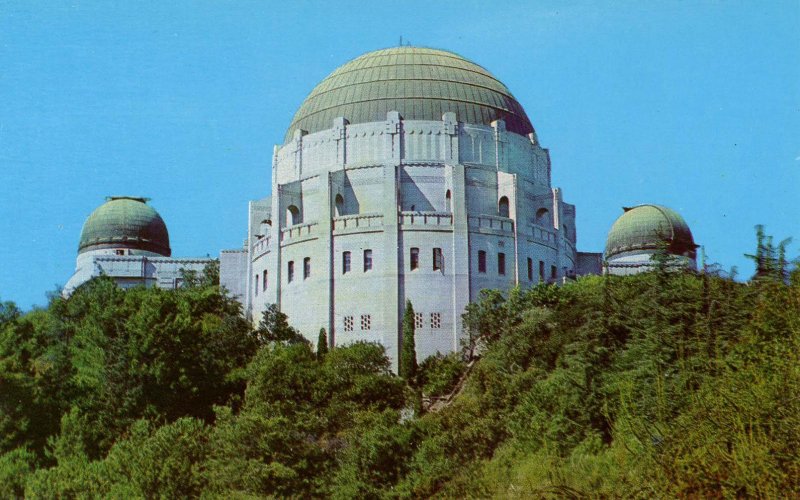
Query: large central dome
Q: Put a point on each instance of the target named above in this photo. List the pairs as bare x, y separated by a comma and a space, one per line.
419, 83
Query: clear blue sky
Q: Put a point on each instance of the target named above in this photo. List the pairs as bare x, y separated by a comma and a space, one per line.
694, 105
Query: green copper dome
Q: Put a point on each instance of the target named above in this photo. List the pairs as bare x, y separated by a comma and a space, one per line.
125, 222
648, 227
419, 83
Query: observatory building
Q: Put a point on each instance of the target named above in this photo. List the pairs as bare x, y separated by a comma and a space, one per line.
126, 239
642, 232
407, 174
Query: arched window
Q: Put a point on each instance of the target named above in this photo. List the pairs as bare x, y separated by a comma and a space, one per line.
339, 205
502, 207
447, 202
293, 216
264, 228
543, 217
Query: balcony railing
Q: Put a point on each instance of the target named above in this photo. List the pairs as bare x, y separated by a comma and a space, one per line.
426, 218
357, 221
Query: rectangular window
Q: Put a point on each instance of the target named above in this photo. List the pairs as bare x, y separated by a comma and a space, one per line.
530, 269
481, 261
414, 258
306, 268
345, 262
553, 272
256, 287
290, 271
348, 323
366, 322
501, 264
264, 281
418, 321
541, 270
436, 320
119, 252
367, 260
438, 259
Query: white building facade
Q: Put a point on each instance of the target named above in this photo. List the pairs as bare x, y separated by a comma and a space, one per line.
417, 205
127, 240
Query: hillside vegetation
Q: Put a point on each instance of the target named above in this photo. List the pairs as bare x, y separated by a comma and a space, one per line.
658, 385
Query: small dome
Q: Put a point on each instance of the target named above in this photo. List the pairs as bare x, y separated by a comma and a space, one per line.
649, 227
419, 83
125, 222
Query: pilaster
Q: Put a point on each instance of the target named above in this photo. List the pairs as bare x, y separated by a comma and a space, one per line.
392, 300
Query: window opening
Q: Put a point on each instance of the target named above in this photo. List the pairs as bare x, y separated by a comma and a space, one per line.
366, 321
501, 263
414, 258
418, 320
339, 205
367, 260
502, 207
438, 259
292, 215
348, 323
290, 271
436, 320
530, 269
306, 268
345, 262
481, 261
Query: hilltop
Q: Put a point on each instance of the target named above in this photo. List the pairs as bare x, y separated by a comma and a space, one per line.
662, 384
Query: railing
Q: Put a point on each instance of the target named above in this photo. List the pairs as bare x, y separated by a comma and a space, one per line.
357, 221
568, 247
297, 231
260, 247
491, 222
426, 218
544, 234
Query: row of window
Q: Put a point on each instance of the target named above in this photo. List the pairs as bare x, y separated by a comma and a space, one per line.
435, 320
366, 323
347, 257
501, 266
437, 261
419, 321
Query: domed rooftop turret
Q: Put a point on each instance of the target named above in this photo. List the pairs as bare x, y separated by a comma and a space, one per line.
125, 222
649, 227
419, 83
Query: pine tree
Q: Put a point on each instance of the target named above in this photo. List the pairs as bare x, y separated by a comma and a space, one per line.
408, 354
322, 344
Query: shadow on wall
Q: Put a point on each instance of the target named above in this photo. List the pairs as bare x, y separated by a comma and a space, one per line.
412, 196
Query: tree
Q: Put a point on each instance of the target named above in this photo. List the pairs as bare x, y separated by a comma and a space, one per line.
408, 354
322, 344
274, 327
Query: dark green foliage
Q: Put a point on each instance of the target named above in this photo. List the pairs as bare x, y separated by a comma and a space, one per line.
663, 384
209, 277
322, 343
274, 327
285, 439
408, 352
439, 374
15, 468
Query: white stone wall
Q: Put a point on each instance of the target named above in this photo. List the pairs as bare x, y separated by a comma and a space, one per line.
135, 268
393, 177
634, 262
